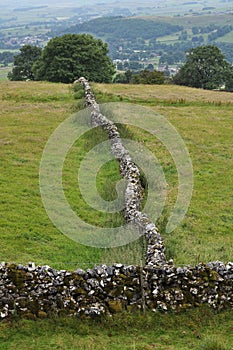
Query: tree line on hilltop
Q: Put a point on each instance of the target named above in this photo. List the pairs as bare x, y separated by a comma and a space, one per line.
128, 28
66, 58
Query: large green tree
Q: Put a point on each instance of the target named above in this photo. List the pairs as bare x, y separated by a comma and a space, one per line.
23, 63
205, 68
71, 56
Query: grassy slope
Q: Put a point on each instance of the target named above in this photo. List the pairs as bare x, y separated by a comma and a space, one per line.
190, 21
204, 120
29, 113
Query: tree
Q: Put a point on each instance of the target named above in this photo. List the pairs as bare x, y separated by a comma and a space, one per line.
128, 75
184, 35
23, 63
195, 30
71, 56
229, 79
150, 67
205, 67
120, 66
120, 78
148, 77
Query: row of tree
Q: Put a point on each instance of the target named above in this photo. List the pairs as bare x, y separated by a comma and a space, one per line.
64, 59
144, 77
70, 56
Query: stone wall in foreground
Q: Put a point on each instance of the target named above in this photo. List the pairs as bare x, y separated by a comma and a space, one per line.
41, 291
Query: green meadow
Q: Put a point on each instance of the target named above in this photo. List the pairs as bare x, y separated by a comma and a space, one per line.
196, 329
204, 121
30, 112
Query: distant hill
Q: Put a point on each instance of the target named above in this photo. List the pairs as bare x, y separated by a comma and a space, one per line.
129, 28
142, 38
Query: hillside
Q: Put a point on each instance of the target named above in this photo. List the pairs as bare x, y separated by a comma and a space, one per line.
157, 39
30, 112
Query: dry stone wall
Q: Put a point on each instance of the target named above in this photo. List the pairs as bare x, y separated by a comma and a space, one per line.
42, 291
155, 253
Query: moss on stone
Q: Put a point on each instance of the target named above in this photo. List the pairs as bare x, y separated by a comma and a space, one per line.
18, 277
42, 314
117, 291
129, 294
81, 291
34, 307
115, 306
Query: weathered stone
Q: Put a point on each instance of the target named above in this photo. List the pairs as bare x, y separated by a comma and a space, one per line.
165, 287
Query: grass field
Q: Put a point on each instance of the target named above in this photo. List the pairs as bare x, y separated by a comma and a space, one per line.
190, 21
228, 38
197, 329
204, 120
3, 72
30, 112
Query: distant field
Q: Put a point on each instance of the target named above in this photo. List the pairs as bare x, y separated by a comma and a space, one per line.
228, 38
3, 50
200, 21
190, 21
3, 72
25, 31
170, 93
169, 39
30, 111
